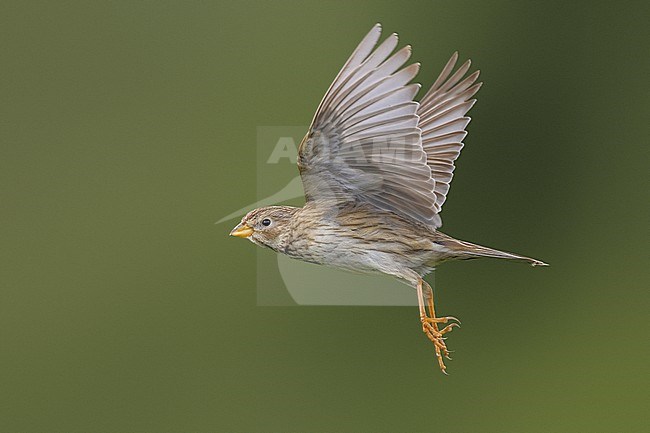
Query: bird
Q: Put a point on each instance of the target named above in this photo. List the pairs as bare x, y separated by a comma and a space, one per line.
376, 166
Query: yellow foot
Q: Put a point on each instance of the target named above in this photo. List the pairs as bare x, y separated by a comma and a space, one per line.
430, 328
430, 322
435, 320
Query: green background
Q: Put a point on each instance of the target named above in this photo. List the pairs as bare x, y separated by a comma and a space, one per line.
128, 128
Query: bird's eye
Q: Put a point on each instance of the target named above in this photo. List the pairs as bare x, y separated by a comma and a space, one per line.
266, 222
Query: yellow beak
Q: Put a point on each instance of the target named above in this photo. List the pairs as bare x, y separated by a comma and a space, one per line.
242, 231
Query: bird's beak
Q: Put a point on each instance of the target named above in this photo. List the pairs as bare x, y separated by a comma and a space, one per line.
242, 231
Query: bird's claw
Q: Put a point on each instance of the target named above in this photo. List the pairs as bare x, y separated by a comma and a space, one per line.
430, 328
436, 337
443, 320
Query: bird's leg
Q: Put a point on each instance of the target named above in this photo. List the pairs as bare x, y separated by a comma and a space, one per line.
428, 294
430, 323
430, 328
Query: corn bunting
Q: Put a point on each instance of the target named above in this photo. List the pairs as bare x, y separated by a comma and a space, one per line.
376, 167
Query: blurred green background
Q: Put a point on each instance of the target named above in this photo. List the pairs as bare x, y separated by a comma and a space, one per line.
128, 128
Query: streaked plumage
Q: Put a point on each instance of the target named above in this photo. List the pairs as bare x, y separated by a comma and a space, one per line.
376, 168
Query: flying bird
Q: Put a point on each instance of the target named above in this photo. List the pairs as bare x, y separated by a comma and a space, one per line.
376, 166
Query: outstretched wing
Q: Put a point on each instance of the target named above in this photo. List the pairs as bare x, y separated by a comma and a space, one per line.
442, 122
364, 142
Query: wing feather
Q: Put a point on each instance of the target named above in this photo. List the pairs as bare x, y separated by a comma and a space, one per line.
443, 121
364, 144
370, 142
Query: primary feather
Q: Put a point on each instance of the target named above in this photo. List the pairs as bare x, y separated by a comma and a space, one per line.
370, 142
442, 122
364, 142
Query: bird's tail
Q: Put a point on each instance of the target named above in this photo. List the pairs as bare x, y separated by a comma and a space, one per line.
467, 250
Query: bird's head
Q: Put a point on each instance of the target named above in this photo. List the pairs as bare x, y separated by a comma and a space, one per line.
266, 226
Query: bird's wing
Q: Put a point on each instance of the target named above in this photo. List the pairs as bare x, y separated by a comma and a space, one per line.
442, 122
364, 145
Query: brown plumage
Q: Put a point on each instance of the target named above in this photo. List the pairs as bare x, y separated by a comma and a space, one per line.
376, 168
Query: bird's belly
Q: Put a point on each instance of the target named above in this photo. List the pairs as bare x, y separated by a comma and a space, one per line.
361, 255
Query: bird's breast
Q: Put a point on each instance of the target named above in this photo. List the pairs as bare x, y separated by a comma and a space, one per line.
362, 246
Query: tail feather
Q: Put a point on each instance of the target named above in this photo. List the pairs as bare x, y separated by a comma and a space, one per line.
467, 250
480, 251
